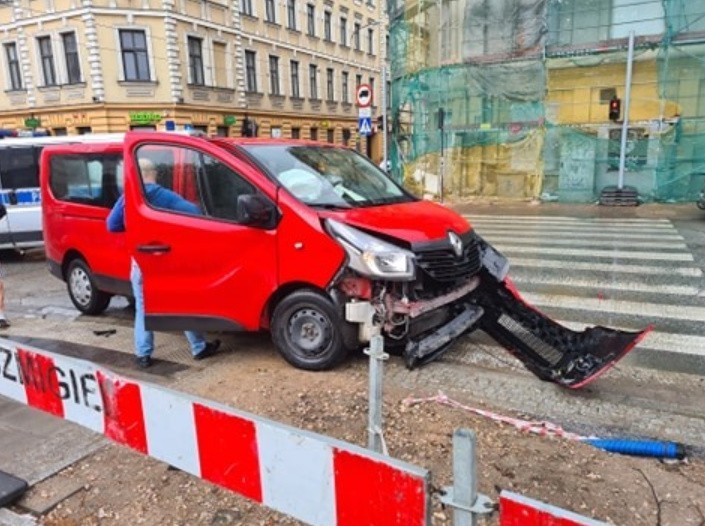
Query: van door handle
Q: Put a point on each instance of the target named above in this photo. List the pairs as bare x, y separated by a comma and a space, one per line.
153, 249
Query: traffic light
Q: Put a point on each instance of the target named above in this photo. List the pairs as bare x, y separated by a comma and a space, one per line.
615, 108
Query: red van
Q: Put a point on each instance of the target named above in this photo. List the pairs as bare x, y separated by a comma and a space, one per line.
311, 241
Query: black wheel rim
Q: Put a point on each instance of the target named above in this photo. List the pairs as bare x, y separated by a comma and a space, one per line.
310, 332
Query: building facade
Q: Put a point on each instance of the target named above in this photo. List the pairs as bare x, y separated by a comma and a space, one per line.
285, 68
514, 98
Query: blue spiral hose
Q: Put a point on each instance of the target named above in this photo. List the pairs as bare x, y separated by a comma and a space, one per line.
644, 448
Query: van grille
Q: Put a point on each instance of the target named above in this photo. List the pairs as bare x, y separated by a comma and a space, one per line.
444, 266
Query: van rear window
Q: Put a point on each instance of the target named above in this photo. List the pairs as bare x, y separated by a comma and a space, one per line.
89, 179
19, 167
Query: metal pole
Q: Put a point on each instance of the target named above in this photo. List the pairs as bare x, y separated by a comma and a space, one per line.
462, 496
384, 116
375, 440
464, 476
440, 95
625, 120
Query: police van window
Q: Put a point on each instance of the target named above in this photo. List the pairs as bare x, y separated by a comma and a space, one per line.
208, 186
19, 168
94, 180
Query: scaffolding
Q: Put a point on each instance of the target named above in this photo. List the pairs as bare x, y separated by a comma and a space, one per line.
510, 98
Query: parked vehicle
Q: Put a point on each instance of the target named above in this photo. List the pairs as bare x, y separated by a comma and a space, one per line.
19, 186
701, 200
311, 241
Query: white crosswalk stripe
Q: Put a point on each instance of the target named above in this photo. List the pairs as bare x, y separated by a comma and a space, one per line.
622, 273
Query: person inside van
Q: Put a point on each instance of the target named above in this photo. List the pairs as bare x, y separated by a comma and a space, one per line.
159, 197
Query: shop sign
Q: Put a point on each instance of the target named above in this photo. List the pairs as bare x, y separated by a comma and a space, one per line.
145, 117
32, 122
229, 120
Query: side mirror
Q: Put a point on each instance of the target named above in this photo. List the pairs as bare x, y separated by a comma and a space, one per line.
255, 210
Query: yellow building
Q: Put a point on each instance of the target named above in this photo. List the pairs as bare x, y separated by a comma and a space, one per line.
290, 67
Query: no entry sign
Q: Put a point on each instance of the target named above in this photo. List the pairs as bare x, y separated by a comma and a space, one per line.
363, 95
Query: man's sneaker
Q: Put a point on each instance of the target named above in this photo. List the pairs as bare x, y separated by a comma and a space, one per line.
143, 361
209, 350
4, 324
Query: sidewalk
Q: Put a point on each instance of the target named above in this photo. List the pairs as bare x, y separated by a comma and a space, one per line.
493, 206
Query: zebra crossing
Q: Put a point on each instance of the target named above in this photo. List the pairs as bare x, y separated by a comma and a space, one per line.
622, 273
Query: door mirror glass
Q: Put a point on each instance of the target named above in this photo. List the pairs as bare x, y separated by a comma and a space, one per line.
255, 210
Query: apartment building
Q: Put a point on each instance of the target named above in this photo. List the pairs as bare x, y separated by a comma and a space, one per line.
284, 68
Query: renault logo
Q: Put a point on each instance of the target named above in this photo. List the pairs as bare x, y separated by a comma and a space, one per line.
456, 243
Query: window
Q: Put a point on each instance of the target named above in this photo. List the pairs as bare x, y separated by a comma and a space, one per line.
345, 90
135, 62
220, 67
358, 80
269, 11
295, 92
330, 135
46, 55
195, 60
274, 75
59, 132
327, 26
313, 133
311, 19
343, 31
20, 167
251, 71
73, 65
296, 133
372, 88
246, 7
356, 36
371, 41
204, 185
90, 179
313, 80
222, 131
291, 13
13, 66
84, 130
330, 92
576, 22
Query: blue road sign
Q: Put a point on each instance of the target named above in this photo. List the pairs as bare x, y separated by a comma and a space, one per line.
364, 126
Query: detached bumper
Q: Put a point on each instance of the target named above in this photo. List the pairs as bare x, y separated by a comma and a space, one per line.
549, 350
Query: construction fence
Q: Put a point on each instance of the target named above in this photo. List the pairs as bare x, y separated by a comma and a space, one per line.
515, 98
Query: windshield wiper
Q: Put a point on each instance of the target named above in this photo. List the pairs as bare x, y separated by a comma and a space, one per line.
330, 206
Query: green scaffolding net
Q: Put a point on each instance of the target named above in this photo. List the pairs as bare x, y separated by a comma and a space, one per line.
512, 98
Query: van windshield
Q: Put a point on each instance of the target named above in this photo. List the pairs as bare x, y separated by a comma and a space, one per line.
330, 177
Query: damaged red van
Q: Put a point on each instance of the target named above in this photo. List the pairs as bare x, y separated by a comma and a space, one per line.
311, 241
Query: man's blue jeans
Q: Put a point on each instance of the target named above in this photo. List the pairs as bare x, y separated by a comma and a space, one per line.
144, 339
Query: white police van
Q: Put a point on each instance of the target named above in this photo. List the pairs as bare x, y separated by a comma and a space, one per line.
21, 228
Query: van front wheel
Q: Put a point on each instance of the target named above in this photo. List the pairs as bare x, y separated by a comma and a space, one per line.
306, 331
83, 292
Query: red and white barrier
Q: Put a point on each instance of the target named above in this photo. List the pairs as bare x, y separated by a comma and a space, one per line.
313, 478
515, 510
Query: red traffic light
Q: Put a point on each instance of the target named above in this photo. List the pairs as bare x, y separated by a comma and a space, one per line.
615, 108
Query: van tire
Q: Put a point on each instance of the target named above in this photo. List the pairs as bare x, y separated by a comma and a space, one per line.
82, 289
306, 330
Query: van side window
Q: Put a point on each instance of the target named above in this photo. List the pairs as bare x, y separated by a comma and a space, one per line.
196, 177
19, 168
87, 179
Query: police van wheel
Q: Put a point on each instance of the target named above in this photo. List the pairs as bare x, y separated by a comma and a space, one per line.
82, 289
306, 331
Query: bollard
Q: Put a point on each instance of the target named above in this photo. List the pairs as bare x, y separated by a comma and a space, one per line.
463, 497
375, 439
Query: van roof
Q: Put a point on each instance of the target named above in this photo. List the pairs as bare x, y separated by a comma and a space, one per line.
89, 147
